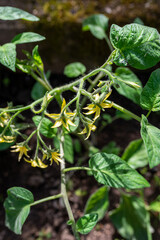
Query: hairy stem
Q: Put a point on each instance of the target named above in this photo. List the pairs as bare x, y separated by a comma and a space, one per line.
64, 193
118, 107
46, 199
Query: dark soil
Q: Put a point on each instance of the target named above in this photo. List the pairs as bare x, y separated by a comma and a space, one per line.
49, 219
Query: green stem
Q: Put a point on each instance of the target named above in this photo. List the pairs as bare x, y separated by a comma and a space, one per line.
76, 168
30, 136
78, 98
38, 79
10, 121
118, 107
64, 193
46, 199
46, 81
58, 89
149, 112
109, 43
94, 83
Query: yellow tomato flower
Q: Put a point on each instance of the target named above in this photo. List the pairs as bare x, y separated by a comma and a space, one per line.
55, 156
36, 163
96, 108
63, 118
21, 149
7, 139
4, 118
89, 127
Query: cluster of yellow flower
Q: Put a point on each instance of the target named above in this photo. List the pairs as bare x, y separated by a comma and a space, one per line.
95, 108
64, 119
4, 118
37, 162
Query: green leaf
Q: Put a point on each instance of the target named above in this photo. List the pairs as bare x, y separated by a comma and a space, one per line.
93, 150
76, 122
135, 154
8, 55
111, 147
77, 146
12, 13
151, 139
122, 115
138, 21
37, 59
132, 219
75, 69
27, 37
56, 142
98, 202
38, 91
155, 205
129, 92
17, 208
138, 45
86, 223
97, 24
24, 66
150, 96
68, 148
111, 170
45, 128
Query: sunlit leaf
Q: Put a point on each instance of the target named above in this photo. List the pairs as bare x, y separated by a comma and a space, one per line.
12, 13
27, 37
127, 75
135, 154
111, 170
8, 55
155, 205
138, 45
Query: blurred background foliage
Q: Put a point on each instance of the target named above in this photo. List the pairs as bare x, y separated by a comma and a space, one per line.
61, 24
